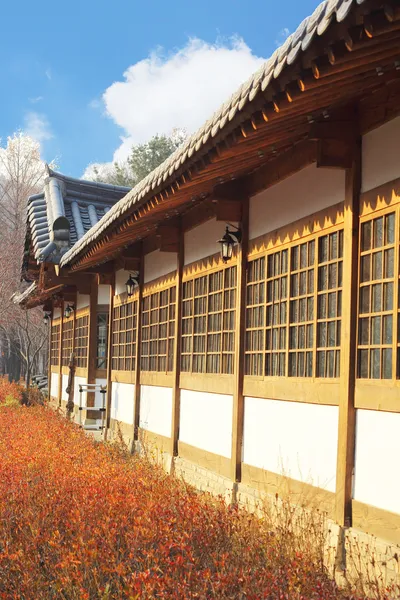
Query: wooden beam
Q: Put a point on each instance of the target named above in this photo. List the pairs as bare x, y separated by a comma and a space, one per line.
336, 130
198, 214
176, 392
334, 154
346, 434
60, 355
168, 237
109, 356
295, 159
240, 332
136, 408
92, 347
228, 210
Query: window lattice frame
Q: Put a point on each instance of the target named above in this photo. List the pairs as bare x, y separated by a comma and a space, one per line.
124, 335
378, 339
290, 331
67, 341
82, 321
208, 322
158, 330
55, 343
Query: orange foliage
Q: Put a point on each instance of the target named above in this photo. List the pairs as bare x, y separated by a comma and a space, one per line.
81, 520
9, 391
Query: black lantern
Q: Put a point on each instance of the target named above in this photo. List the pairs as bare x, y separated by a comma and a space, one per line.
228, 241
46, 318
131, 284
69, 309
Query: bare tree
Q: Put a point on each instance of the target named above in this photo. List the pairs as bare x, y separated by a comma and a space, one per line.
22, 173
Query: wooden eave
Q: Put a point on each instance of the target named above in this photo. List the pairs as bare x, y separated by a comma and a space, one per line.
346, 69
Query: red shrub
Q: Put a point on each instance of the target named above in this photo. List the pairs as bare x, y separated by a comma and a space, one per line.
79, 520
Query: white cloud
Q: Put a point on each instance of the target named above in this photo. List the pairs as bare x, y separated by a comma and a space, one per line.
38, 127
282, 36
48, 73
180, 90
36, 99
95, 104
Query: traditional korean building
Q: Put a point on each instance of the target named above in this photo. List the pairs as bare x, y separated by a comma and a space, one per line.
275, 354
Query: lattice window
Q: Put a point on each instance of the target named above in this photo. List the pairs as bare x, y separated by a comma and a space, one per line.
124, 336
55, 344
329, 304
101, 340
67, 341
82, 341
292, 294
158, 330
376, 334
208, 323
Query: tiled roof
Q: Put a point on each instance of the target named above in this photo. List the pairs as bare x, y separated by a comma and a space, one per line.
313, 26
65, 211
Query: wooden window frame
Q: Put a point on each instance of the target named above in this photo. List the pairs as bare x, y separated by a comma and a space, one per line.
381, 394
68, 337
152, 308
81, 349
220, 383
55, 343
124, 375
313, 389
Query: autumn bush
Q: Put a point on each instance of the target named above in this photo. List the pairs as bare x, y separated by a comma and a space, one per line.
81, 519
10, 392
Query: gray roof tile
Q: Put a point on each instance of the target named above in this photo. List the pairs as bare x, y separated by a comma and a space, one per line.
81, 203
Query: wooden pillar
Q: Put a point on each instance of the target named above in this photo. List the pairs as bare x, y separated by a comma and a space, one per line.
176, 392
136, 410
60, 354
92, 345
240, 331
49, 332
109, 356
346, 434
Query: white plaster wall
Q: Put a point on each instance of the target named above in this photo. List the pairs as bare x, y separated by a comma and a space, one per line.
156, 409
202, 241
98, 397
302, 194
159, 263
56, 313
380, 155
64, 383
377, 481
77, 382
123, 402
292, 438
82, 300
103, 294
121, 277
206, 421
54, 385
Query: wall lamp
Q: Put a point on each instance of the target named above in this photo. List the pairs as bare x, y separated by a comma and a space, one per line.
46, 318
69, 309
228, 241
132, 284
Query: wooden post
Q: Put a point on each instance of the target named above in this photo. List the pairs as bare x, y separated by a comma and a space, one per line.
136, 410
60, 354
109, 356
49, 331
240, 327
176, 392
346, 434
92, 345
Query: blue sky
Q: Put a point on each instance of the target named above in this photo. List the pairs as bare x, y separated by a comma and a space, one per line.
59, 62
